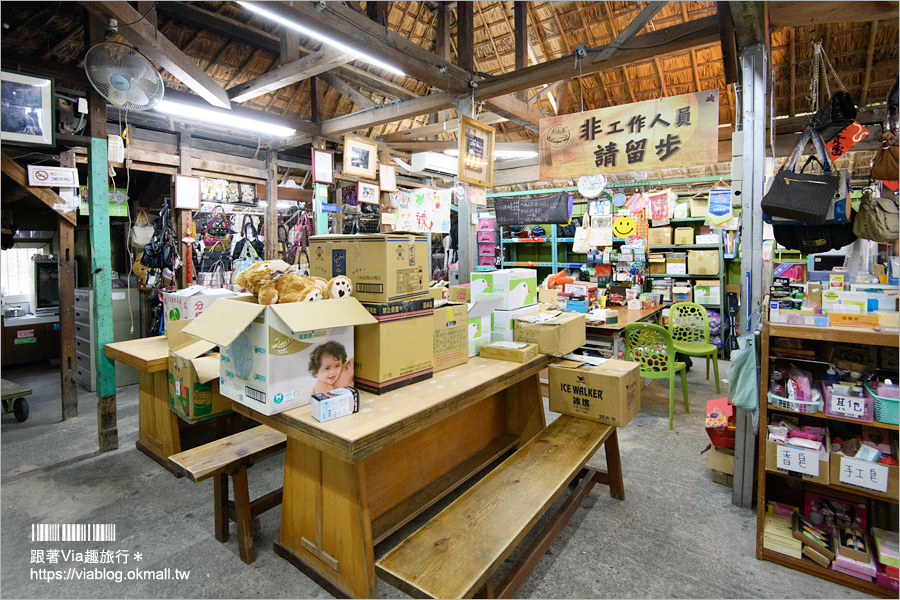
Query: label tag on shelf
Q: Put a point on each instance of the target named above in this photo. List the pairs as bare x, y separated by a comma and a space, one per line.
864, 473
797, 460
849, 406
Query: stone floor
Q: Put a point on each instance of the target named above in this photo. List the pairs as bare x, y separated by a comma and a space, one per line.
676, 535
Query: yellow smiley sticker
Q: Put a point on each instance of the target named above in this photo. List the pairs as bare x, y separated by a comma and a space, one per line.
623, 226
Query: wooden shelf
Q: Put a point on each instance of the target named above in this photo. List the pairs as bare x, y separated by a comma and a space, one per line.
852, 335
822, 415
807, 566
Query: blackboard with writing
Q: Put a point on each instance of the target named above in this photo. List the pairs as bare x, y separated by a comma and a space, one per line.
528, 210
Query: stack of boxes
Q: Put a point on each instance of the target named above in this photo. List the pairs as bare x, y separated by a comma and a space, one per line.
830, 301
487, 242
516, 290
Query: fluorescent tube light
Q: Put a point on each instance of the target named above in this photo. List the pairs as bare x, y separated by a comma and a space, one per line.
223, 118
253, 7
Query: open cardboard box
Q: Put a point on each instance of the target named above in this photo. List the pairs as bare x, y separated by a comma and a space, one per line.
451, 344
824, 475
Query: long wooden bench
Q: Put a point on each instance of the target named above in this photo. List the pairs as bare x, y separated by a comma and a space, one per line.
456, 553
231, 456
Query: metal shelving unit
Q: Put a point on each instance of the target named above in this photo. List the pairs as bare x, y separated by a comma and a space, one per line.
556, 262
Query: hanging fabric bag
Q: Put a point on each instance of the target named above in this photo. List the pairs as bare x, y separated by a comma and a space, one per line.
839, 111
886, 164
142, 230
582, 234
878, 219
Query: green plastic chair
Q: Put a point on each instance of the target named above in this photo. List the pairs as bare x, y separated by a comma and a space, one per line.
689, 326
652, 347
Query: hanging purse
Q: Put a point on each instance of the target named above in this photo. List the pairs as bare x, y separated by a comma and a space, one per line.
217, 253
839, 111
885, 164
878, 219
581, 243
807, 198
142, 230
246, 259
301, 256
218, 229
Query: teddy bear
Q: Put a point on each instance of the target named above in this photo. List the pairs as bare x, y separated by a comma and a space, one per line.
275, 281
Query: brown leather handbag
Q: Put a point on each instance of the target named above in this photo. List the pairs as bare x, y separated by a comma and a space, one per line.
885, 164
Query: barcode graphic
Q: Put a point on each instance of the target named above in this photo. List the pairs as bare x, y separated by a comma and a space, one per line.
73, 532
255, 394
370, 288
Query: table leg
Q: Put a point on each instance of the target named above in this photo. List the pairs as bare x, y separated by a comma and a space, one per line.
525, 409
614, 467
325, 526
158, 435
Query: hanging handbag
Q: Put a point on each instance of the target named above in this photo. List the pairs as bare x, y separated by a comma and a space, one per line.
812, 239
218, 229
258, 245
246, 259
581, 244
885, 164
878, 219
159, 252
839, 111
807, 198
219, 277
217, 253
142, 230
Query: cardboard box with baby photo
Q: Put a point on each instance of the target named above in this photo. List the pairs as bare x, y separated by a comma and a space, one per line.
399, 349
193, 377
273, 358
384, 267
609, 393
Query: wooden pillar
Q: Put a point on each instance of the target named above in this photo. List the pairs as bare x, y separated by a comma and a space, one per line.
465, 35
385, 156
468, 251
182, 216
271, 228
520, 25
68, 374
290, 46
377, 11
442, 48
101, 267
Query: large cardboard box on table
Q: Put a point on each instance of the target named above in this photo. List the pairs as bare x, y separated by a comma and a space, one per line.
461, 293
185, 304
503, 322
193, 377
516, 287
609, 393
399, 349
273, 358
451, 336
556, 334
384, 267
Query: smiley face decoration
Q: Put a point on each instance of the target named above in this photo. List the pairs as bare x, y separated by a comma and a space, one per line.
623, 226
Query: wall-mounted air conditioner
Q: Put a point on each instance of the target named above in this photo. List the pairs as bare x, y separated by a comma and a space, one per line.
435, 163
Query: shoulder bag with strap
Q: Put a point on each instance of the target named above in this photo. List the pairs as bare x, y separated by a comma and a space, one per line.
246, 259
142, 230
581, 245
878, 218
839, 111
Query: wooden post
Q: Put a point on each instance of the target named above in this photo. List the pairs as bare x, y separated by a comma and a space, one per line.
465, 35
68, 374
520, 20
181, 215
101, 267
271, 229
468, 251
385, 156
377, 11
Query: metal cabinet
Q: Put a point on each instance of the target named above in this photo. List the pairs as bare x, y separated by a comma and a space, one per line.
123, 309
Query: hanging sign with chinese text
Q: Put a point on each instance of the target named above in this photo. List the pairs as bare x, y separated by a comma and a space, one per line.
852, 134
679, 131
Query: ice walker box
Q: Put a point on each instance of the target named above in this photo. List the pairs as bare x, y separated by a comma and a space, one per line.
516, 287
273, 358
609, 393
186, 304
451, 325
193, 377
399, 349
384, 267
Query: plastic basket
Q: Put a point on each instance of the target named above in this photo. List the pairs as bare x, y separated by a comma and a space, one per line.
868, 401
887, 410
795, 406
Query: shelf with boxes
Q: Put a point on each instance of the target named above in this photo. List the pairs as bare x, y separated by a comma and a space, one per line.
820, 464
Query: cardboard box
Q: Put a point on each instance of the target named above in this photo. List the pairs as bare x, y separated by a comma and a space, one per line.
703, 262
699, 206
657, 263
837, 464
609, 393
269, 354
461, 293
676, 265
451, 324
516, 287
660, 236
480, 317
558, 335
581, 288
722, 459
334, 404
707, 291
823, 477
439, 293
684, 236
511, 351
682, 292
548, 296
399, 349
708, 238
384, 267
503, 322
193, 377
186, 304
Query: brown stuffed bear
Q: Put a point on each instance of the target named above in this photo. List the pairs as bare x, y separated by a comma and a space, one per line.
275, 281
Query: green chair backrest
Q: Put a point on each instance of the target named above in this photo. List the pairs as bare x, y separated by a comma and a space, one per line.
688, 322
651, 346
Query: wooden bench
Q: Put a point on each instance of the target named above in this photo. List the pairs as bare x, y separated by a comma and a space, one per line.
456, 553
231, 456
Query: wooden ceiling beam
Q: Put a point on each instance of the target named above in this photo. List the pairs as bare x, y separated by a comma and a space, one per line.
46, 195
388, 113
801, 14
544, 90
662, 77
695, 70
631, 30
749, 21
867, 73
345, 89
140, 32
516, 111
440, 146
490, 35
792, 58
310, 65
405, 135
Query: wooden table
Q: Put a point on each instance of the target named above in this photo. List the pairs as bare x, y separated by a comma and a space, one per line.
626, 316
352, 481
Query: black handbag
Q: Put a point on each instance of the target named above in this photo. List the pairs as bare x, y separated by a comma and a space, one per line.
811, 239
211, 256
803, 197
835, 116
159, 253
257, 243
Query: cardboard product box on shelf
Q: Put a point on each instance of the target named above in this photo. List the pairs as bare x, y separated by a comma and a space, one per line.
503, 322
399, 349
273, 358
684, 236
707, 291
703, 262
609, 393
480, 317
581, 288
871, 478
193, 377
511, 351
384, 267
676, 264
451, 344
707, 238
439, 292
461, 293
556, 333
699, 206
809, 465
516, 287
185, 304
660, 236
657, 263
682, 292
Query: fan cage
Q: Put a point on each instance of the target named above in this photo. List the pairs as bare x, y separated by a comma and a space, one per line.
124, 76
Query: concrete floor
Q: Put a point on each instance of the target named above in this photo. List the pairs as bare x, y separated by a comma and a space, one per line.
676, 535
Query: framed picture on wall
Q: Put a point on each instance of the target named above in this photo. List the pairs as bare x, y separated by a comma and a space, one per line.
323, 166
27, 111
360, 157
476, 152
387, 177
367, 192
187, 192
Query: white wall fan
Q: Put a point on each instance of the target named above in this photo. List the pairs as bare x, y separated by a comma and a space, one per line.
124, 76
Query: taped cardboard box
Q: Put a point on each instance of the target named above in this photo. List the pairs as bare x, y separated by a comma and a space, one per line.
707, 291
511, 351
273, 358
461, 293
384, 267
660, 236
684, 236
516, 287
676, 264
193, 377
703, 262
721, 461
185, 304
609, 393
399, 349
546, 296
556, 334
451, 344
657, 263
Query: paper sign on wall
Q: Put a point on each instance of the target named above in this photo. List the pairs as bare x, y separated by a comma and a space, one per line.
422, 210
797, 460
864, 473
849, 406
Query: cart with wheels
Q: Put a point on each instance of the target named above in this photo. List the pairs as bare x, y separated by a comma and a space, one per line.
13, 397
